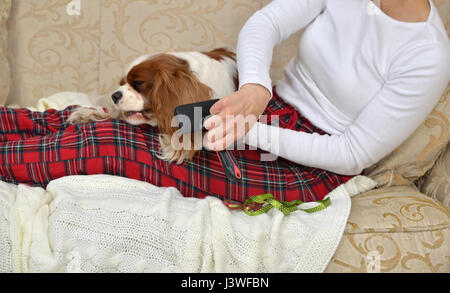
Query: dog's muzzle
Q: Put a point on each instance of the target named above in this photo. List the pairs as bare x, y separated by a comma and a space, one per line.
117, 96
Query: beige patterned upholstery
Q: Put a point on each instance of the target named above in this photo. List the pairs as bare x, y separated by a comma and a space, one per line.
5, 6
437, 183
52, 51
408, 230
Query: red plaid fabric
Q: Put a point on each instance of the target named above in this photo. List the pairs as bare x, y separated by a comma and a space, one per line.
36, 148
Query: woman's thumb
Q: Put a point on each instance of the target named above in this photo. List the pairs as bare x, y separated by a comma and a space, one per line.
217, 107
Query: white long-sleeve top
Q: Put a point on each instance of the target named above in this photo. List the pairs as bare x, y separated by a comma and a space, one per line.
363, 77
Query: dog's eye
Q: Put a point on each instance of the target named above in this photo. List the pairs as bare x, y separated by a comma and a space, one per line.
137, 85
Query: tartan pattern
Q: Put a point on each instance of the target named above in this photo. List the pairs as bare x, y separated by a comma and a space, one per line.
36, 148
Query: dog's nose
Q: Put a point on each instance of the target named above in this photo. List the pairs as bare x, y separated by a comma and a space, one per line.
116, 97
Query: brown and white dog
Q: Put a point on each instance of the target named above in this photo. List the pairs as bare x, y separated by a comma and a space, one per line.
156, 84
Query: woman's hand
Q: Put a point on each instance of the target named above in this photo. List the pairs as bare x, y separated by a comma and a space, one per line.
235, 115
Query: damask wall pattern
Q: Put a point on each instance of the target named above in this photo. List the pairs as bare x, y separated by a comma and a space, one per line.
5, 7
53, 51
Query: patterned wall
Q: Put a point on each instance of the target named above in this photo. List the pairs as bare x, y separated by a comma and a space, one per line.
52, 51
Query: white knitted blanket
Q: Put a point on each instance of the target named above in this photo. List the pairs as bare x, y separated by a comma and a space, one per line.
104, 223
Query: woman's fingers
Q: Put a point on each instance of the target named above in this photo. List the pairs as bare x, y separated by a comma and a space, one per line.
215, 133
213, 122
226, 105
228, 131
219, 110
221, 144
219, 139
218, 107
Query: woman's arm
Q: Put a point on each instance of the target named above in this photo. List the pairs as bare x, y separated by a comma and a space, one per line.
261, 33
415, 84
266, 29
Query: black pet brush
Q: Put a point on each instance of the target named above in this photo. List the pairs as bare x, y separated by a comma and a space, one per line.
189, 123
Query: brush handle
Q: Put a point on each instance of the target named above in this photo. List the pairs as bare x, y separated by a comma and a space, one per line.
230, 165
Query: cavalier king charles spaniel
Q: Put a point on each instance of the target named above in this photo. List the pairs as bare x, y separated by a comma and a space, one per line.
156, 84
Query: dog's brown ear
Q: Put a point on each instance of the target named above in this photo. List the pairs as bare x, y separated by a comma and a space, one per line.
172, 89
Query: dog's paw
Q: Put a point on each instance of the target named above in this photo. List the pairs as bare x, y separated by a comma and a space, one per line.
172, 155
85, 115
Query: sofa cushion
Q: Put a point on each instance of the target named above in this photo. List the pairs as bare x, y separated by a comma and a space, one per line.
398, 228
412, 159
437, 182
396, 209
5, 77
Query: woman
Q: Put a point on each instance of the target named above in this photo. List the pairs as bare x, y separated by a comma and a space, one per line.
367, 76
365, 81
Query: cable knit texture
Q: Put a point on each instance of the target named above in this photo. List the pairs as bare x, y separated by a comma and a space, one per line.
104, 223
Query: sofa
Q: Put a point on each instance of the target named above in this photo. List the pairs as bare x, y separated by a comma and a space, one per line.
51, 46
